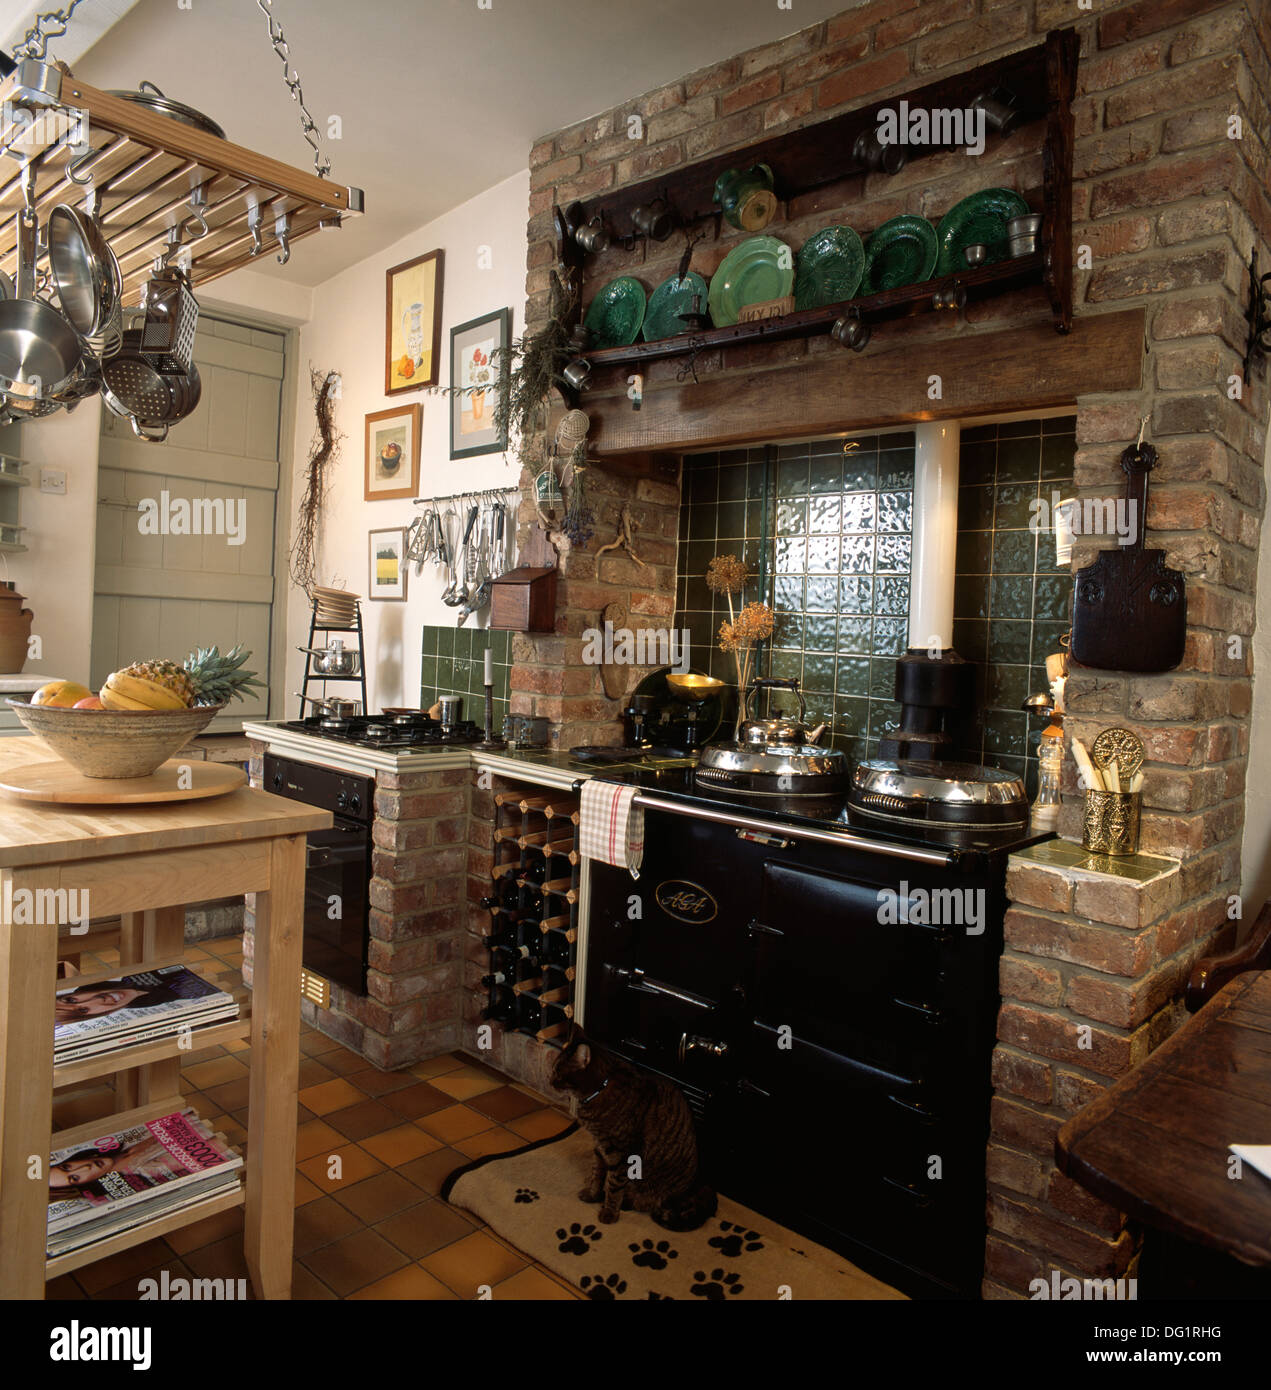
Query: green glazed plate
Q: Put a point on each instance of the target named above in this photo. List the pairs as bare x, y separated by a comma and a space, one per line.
615, 315
672, 298
980, 218
761, 268
831, 263
900, 252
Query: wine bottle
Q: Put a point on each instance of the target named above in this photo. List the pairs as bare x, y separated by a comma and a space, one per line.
528, 1013
502, 939
508, 890
498, 977
535, 870
502, 1007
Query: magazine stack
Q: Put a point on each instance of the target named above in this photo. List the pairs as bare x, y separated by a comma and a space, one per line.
126, 1178
90, 1019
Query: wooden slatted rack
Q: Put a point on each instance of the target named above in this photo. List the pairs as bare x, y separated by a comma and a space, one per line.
144, 168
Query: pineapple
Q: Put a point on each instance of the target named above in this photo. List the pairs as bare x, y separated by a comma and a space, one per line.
207, 678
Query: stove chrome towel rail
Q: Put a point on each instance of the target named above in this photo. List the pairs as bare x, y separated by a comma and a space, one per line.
947, 859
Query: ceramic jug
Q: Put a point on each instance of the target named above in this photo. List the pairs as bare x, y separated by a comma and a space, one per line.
15, 629
746, 197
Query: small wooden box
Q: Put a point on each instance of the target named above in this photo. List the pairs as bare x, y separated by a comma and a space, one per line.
524, 600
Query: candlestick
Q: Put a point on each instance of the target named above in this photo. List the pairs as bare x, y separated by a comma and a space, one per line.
490, 741
489, 666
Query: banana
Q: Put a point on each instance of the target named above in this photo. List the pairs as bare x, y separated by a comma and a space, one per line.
112, 699
146, 694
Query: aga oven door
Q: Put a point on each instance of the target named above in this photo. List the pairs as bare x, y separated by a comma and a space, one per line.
337, 871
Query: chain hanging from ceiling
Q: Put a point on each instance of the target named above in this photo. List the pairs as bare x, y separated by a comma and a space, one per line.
322, 166
36, 40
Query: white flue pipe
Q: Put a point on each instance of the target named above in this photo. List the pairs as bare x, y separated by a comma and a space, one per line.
935, 534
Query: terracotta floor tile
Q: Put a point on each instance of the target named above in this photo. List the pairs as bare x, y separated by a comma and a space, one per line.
130, 1290
491, 1141
553, 1098
540, 1124
378, 1198
313, 1073
432, 1170
437, 1066
63, 1288
417, 1100
306, 1287
232, 1095
378, 1083
471, 1262
365, 1118
315, 1044
460, 1087
211, 1228
421, 1229
455, 1122
329, 1096
234, 1130
343, 1062
412, 1284
238, 1046
398, 1146
128, 1264
504, 1104
305, 1190
321, 1222
204, 1075
532, 1283
203, 1054
317, 1137
354, 1262
355, 1164
223, 1259
482, 1068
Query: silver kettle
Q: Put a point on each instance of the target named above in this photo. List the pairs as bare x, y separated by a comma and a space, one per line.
760, 733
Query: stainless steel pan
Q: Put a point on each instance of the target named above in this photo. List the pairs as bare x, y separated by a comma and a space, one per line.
39, 351
84, 270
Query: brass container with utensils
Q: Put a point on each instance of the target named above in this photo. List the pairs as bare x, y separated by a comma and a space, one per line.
1110, 823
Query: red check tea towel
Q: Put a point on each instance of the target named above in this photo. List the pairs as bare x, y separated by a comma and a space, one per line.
610, 825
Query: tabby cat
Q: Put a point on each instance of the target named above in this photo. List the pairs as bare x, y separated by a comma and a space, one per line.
627, 1113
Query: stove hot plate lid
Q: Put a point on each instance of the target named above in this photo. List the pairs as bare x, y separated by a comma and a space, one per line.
962, 792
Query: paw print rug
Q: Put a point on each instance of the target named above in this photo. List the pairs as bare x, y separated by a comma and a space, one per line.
530, 1198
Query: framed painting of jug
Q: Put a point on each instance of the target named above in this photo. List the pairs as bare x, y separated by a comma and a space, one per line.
412, 334
477, 352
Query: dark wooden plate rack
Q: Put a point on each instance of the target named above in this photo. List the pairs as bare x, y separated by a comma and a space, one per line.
1042, 80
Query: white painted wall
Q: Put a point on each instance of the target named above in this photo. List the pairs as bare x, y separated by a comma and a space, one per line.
346, 334
1255, 851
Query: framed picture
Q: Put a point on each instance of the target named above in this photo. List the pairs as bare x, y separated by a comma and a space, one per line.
392, 453
412, 333
387, 575
476, 350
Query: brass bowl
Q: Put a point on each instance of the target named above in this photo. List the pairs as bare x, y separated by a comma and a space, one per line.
692, 688
112, 743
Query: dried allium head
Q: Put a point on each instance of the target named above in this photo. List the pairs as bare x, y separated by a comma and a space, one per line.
727, 637
726, 574
754, 624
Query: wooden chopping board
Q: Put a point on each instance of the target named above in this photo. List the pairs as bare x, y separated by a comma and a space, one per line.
58, 782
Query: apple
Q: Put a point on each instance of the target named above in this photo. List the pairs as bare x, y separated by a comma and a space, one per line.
89, 702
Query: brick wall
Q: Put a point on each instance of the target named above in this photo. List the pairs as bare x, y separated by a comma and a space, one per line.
1170, 209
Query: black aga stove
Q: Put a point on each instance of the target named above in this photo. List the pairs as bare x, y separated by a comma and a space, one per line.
826, 998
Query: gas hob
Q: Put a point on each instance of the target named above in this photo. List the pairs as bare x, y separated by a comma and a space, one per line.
416, 734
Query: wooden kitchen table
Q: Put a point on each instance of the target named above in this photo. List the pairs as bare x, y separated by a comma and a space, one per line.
144, 864
1155, 1144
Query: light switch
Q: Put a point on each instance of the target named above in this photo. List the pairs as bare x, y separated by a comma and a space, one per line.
53, 480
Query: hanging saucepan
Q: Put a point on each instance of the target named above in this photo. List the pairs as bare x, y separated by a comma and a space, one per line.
39, 351
149, 398
151, 98
84, 270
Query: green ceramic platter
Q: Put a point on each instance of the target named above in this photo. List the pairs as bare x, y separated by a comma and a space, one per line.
830, 266
982, 218
901, 252
672, 298
615, 315
761, 268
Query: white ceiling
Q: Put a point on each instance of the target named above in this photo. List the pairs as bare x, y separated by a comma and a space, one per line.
439, 99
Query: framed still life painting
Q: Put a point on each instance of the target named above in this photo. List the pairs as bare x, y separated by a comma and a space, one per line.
388, 575
392, 453
412, 333
477, 351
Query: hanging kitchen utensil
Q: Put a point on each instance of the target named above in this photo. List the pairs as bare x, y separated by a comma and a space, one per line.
172, 312
447, 555
1129, 609
460, 593
150, 98
84, 270
149, 391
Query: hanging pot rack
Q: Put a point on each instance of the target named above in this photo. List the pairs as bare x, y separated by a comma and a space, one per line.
154, 177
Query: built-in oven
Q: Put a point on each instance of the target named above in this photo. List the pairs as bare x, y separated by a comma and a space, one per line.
337, 867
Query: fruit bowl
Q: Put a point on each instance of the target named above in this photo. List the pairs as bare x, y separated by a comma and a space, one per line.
109, 743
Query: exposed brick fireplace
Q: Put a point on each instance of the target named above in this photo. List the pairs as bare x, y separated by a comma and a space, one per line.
1170, 208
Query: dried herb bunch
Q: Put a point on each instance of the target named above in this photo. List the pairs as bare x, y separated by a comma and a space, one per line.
324, 449
743, 631
528, 372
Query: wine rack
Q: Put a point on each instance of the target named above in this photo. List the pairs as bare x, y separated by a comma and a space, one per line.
533, 906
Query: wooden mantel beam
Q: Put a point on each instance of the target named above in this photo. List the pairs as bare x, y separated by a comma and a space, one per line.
1024, 367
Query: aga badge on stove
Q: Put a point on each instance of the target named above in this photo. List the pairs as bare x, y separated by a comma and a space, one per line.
685, 901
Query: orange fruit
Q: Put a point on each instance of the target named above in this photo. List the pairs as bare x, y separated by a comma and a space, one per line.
406, 367
63, 694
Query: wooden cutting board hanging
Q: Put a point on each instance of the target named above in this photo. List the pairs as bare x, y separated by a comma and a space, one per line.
1129, 609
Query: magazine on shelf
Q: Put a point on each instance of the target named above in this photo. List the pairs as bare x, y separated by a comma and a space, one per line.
111, 1008
96, 1046
132, 1167
70, 1238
